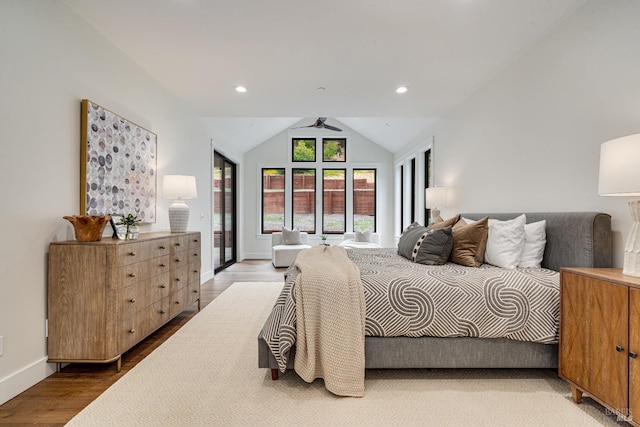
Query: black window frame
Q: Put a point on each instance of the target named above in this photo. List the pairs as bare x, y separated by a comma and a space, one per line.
315, 149
375, 196
284, 190
293, 200
344, 229
345, 150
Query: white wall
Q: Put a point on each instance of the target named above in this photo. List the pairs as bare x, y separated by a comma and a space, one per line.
275, 152
529, 140
51, 59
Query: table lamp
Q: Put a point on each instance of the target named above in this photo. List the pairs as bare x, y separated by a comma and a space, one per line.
620, 176
435, 198
179, 188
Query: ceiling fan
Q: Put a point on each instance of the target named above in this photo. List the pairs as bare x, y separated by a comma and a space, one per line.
320, 124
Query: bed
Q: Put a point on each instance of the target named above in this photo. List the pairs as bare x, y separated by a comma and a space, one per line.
573, 239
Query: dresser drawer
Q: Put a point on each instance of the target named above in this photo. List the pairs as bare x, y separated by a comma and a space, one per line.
130, 300
179, 278
180, 243
194, 241
130, 253
179, 259
194, 274
127, 275
159, 287
194, 256
179, 301
194, 292
155, 266
128, 333
153, 316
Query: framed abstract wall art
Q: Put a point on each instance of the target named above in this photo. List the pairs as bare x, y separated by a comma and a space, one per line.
118, 166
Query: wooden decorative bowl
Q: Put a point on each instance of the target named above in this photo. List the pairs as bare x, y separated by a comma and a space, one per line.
88, 228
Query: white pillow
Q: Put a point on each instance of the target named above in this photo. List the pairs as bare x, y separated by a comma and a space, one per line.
363, 236
505, 242
291, 237
535, 239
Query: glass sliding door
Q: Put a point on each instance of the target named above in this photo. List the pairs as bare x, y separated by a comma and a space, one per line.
224, 212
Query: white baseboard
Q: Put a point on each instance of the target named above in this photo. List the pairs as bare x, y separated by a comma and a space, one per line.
19, 381
204, 277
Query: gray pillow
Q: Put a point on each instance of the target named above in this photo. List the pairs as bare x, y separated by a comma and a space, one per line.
424, 246
363, 236
291, 237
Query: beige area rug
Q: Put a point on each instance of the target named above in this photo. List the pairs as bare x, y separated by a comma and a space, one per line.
207, 374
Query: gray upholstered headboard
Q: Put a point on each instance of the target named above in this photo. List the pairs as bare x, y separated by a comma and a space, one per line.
574, 239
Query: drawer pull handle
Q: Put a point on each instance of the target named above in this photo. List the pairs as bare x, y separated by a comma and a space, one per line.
619, 348
633, 355
162, 286
195, 254
177, 302
177, 259
178, 244
163, 247
132, 274
162, 312
177, 279
195, 240
163, 265
132, 300
194, 291
132, 253
132, 331
195, 271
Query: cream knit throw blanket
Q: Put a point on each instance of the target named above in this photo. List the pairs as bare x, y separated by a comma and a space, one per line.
330, 312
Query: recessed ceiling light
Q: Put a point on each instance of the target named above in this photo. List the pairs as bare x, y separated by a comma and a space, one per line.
241, 89
402, 89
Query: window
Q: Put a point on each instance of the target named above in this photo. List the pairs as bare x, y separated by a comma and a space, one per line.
428, 180
304, 200
304, 150
413, 190
334, 149
272, 200
312, 195
333, 201
401, 198
364, 199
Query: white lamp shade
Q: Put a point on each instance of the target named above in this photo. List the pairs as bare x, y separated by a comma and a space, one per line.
620, 167
435, 197
179, 187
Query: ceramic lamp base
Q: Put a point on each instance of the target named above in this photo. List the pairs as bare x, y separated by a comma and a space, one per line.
178, 216
632, 249
434, 215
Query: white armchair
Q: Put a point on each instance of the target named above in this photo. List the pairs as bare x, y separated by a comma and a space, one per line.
284, 255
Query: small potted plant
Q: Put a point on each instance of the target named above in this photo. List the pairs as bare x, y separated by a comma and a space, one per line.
130, 222
324, 239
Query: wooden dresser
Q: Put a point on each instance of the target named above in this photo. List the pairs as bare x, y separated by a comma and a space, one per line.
600, 338
104, 297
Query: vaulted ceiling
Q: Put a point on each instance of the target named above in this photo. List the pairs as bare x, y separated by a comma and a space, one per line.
336, 58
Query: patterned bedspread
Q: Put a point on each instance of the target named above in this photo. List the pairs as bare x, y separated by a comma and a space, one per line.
403, 298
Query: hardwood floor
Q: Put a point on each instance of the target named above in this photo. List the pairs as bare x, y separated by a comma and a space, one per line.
58, 398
